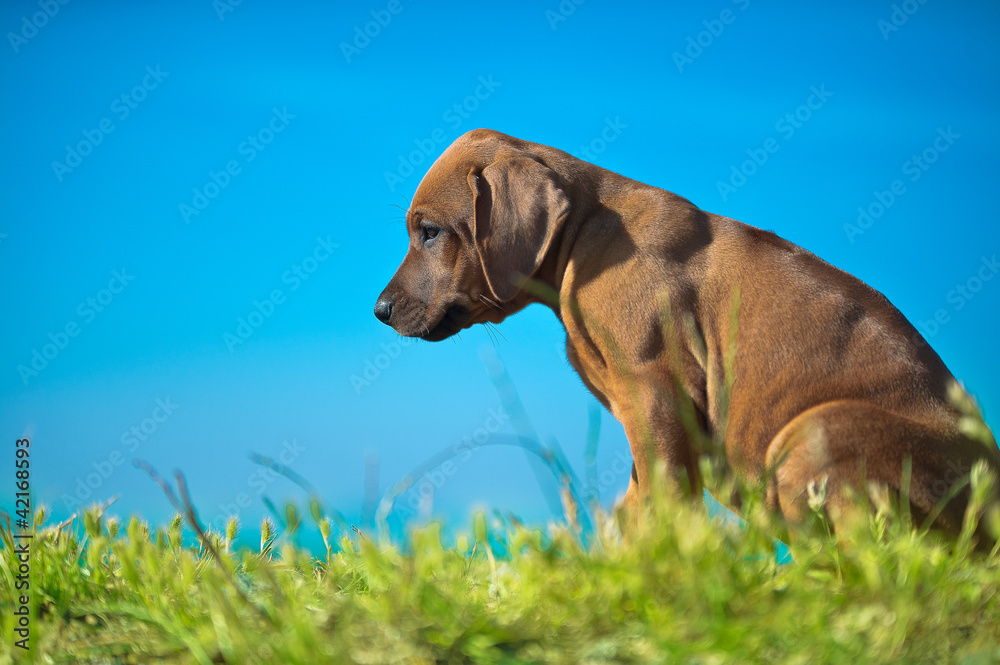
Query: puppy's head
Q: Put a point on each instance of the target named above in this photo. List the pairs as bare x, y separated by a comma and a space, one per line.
481, 222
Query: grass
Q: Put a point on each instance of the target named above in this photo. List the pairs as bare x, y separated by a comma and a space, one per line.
686, 588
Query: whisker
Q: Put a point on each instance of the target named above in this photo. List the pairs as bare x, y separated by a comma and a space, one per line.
399, 219
489, 334
497, 331
491, 303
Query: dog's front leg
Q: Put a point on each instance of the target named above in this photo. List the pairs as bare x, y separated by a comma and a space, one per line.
657, 436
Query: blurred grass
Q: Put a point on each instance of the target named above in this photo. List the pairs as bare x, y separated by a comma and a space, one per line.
686, 588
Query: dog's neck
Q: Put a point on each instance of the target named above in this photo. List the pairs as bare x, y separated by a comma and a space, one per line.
598, 196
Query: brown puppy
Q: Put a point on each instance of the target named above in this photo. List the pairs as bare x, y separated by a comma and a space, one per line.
832, 383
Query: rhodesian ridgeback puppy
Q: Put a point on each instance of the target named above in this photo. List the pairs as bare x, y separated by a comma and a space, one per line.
832, 385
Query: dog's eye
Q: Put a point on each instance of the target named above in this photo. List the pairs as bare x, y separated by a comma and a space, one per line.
429, 233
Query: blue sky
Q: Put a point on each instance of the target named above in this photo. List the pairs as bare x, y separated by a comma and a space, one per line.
173, 169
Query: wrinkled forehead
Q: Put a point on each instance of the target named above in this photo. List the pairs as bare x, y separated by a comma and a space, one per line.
445, 186
443, 181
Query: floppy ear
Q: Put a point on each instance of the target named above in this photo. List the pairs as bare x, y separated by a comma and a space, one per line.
519, 207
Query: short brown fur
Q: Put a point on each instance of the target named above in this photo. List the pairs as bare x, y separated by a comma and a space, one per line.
831, 381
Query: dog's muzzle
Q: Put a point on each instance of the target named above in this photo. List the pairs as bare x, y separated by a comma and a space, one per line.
452, 320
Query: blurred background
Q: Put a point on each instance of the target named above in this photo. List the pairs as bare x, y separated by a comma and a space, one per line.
202, 200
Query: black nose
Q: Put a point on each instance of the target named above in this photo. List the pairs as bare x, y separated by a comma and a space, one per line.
383, 309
